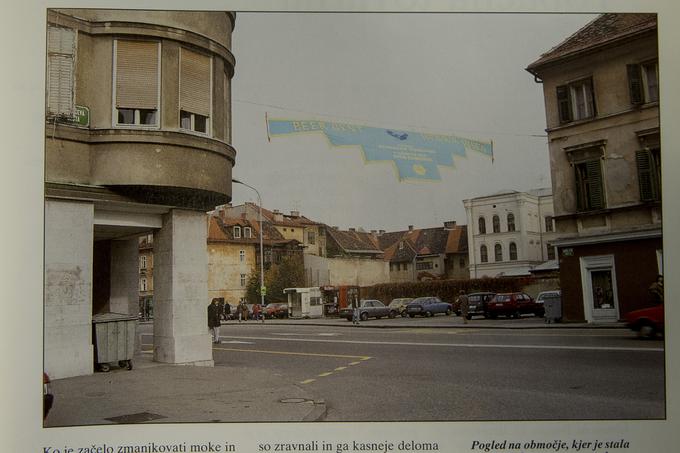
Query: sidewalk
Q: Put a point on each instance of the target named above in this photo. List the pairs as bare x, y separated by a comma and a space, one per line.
160, 393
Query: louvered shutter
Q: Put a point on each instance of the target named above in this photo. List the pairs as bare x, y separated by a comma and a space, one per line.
564, 104
595, 192
635, 84
194, 93
60, 71
646, 175
137, 74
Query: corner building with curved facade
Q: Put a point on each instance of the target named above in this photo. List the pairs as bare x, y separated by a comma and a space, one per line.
137, 141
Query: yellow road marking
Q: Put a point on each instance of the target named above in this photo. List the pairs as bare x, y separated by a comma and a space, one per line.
340, 368
307, 381
355, 363
325, 374
341, 356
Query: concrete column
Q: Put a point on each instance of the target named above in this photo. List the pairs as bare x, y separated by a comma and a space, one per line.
181, 290
125, 276
68, 288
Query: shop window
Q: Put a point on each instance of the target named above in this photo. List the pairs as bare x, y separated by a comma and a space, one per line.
137, 86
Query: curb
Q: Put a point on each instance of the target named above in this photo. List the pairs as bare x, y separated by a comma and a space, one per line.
450, 326
317, 413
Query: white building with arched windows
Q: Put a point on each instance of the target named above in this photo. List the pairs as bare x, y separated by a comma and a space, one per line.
509, 233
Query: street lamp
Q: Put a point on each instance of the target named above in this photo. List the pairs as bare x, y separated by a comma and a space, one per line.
259, 202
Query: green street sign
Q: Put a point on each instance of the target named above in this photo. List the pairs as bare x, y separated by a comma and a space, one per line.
82, 116
263, 290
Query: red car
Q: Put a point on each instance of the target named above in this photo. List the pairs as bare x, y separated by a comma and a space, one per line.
513, 305
647, 322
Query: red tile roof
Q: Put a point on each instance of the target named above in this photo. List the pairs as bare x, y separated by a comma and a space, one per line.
603, 30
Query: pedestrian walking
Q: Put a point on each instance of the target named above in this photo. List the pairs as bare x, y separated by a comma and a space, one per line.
656, 290
256, 312
464, 305
227, 310
214, 320
355, 316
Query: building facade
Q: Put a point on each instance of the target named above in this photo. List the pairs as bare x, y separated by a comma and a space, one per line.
601, 91
137, 142
510, 233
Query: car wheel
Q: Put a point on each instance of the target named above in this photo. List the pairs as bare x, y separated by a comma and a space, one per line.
428, 314
515, 315
392, 315
403, 314
448, 312
364, 316
647, 330
104, 367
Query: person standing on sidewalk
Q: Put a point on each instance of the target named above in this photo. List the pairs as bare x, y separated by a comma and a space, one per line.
656, 290
214, 320
256, 312
464, 305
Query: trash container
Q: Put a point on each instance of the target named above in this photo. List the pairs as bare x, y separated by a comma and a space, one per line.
114, 339
553, 307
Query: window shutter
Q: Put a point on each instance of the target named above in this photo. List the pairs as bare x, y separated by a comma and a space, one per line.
194, 94
635, 84
646, 175
60, 71
137, 74
595, 194
564, 104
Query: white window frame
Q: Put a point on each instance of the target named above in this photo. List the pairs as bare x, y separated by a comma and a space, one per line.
142, 262
143, 284
243, 280
582, 88
588, 264
242, 256
237, 232
247, 232
137, 112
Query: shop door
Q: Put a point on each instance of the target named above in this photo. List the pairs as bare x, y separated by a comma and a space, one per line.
599, 289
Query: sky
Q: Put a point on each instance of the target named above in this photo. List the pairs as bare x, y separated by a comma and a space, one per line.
449, 74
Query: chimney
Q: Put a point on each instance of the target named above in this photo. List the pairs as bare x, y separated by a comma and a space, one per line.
410, 227
278, 217
295, 214
450, 224
381, 231
352, 229
374, 231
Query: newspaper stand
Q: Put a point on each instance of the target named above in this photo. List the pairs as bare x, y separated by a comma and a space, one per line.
114, 339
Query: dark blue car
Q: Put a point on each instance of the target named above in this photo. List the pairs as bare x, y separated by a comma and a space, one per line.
428, 306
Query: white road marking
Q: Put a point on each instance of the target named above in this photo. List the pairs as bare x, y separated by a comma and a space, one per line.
236, 342
306, 334
461, 345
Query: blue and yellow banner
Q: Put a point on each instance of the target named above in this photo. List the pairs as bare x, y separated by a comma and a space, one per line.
416, 155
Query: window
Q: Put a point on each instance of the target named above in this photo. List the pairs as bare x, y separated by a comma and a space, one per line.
513, 251
243, 279
61, 49
549, 224
142, 262
511, 221
496, 224
483, 254
311, 237
649, 174
482, 225
237, 232
424, 265
589, 193
195, 82
143, 284
643, 82
401, 245
551, 252
242, 255
498, 252
575, 101
247, 232
137, 87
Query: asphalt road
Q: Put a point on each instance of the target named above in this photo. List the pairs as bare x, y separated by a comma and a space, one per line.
447, 374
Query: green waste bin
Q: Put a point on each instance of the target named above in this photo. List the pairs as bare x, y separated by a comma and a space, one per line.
114, 339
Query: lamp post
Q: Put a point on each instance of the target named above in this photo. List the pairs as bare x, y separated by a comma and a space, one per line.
259, 202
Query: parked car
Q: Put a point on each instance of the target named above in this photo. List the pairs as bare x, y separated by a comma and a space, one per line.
647, 322
48, 396
513, 305
477, 304
428, 306
400, 304
276, 310
369, 308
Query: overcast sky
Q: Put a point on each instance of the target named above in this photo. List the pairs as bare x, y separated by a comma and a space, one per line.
452, 74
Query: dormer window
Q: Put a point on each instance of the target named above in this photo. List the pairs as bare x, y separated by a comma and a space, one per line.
247, 233
401, 245
237, 232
